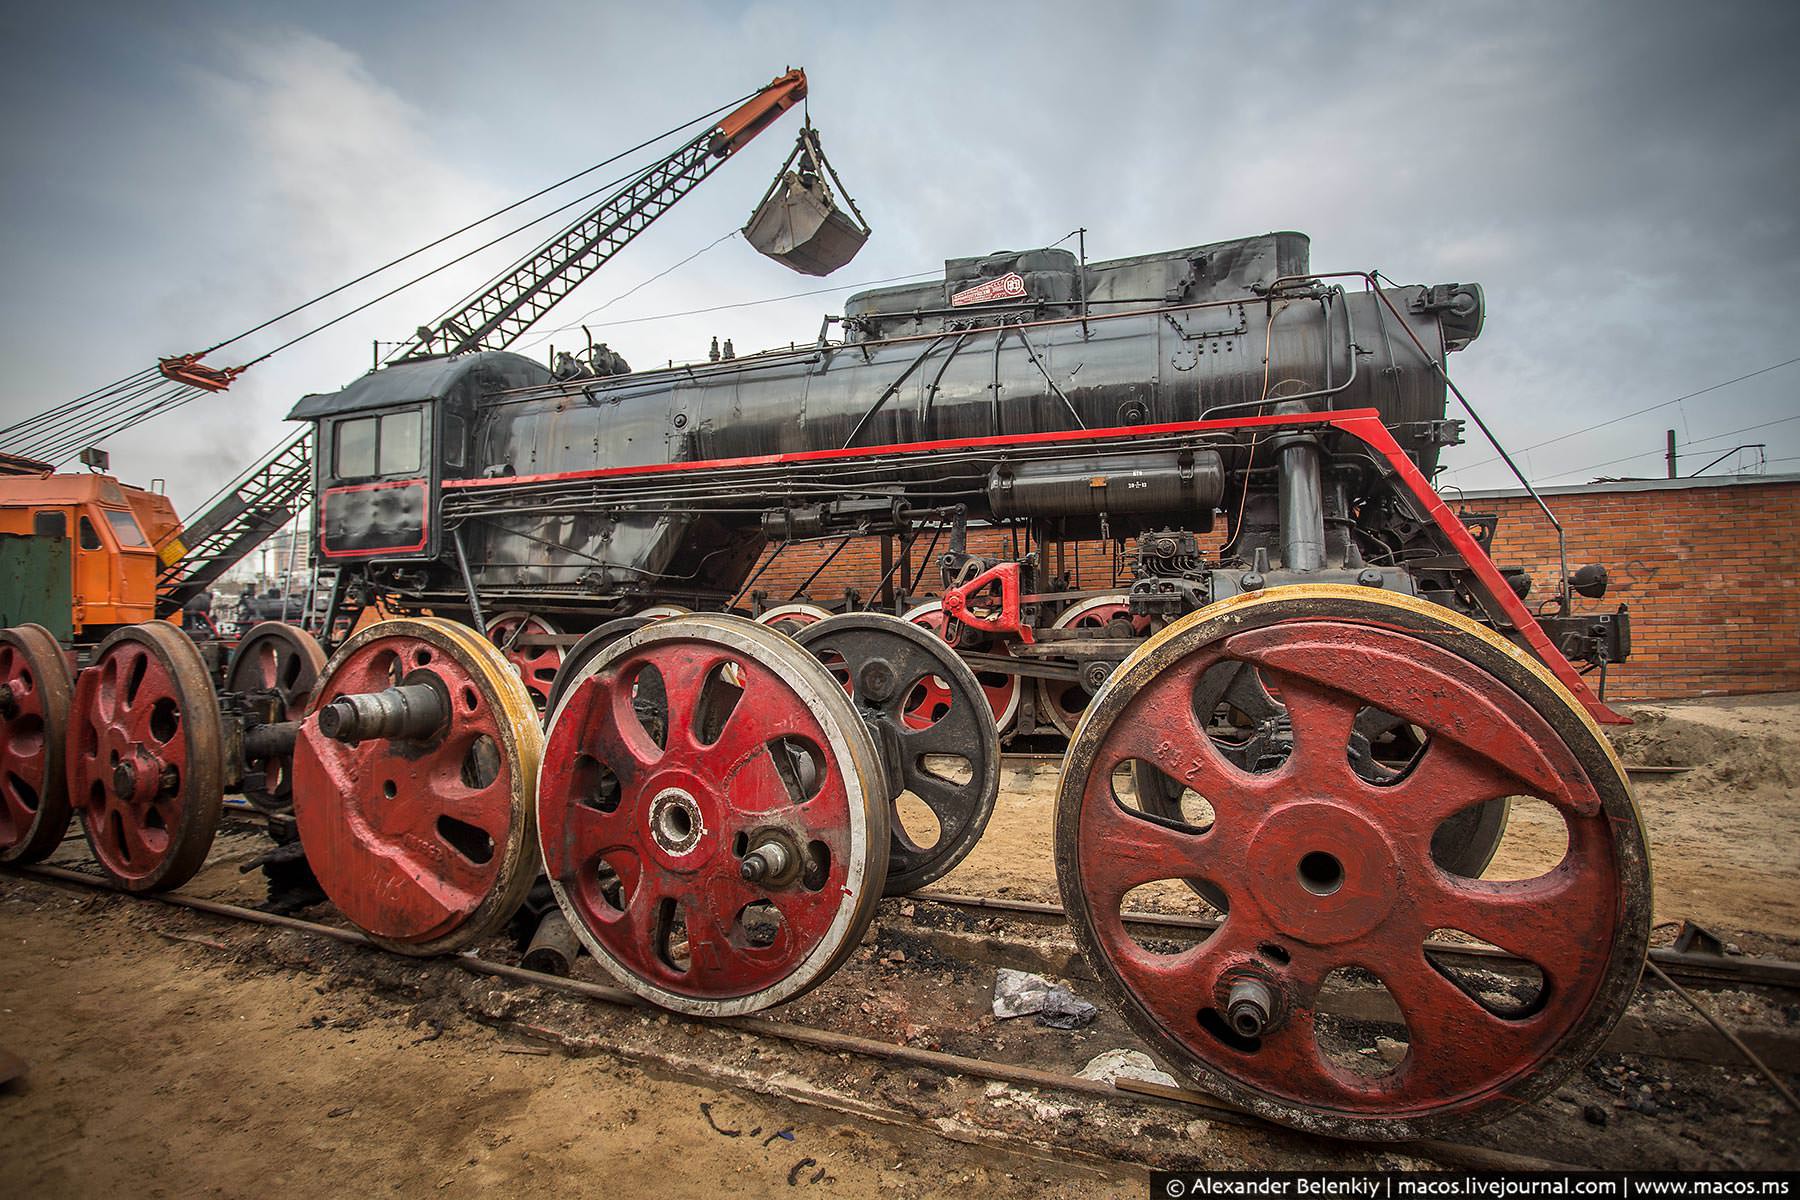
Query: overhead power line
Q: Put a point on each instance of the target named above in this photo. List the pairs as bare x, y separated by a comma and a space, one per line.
57, 432
1563, 437
1659, 452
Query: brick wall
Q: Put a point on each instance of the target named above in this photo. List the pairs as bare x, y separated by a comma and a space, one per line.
1710, 574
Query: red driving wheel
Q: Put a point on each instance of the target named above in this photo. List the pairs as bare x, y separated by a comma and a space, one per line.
35, 695
709, 815
1064, 700
420, 834
144, 764
536, 665
932, 699
1324, 870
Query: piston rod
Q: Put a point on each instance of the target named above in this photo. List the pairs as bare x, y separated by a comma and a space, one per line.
1302, 506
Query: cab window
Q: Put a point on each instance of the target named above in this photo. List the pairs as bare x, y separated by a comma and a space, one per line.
125, 528
391, 444
89, 537
354, 454
399, 442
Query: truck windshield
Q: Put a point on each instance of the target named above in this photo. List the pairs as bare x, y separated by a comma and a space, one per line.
125, 528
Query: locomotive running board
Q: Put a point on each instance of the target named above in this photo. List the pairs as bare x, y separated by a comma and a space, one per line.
1363, 424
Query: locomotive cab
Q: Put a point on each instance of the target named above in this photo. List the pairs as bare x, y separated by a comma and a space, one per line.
388, 442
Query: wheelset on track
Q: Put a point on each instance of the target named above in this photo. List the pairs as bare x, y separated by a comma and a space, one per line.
36, 694
272, 672
713, 815
1324, 870
413, 781
144, 757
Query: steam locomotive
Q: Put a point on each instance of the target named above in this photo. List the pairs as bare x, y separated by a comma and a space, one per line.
489, 461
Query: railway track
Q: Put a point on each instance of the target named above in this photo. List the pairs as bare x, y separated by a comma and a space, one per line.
825, 1041
1687, 966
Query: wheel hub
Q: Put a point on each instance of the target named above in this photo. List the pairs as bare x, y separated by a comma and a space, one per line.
676, 823
124, 780
1326, 875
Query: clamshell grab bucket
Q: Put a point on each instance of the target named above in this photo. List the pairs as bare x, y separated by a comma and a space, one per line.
798, 224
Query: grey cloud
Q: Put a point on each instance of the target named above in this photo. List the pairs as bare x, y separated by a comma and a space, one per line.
1619, 177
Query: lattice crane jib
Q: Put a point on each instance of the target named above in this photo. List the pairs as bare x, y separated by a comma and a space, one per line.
500, 313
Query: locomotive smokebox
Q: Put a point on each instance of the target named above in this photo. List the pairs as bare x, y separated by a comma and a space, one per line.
1116, 487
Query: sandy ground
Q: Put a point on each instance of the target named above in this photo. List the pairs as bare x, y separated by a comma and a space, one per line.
167, 1069
161, 1071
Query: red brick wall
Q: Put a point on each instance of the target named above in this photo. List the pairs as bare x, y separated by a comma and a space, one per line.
1709, 574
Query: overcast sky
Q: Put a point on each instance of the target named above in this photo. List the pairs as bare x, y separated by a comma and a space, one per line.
1622, 179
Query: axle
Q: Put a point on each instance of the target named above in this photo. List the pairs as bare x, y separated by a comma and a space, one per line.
1250, 1008
412, 711
772, 861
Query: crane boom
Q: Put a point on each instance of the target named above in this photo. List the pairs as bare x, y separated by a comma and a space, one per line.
273, 491
499, 314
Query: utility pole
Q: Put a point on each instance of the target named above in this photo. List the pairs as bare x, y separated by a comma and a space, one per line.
1669, 454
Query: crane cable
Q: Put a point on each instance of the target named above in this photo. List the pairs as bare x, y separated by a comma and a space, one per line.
50, 433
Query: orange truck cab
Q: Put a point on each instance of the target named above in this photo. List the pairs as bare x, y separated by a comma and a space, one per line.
79, 552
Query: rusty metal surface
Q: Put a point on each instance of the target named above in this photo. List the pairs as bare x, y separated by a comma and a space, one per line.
35, 696
1498, 725
425, 843
144, 757
681, 750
